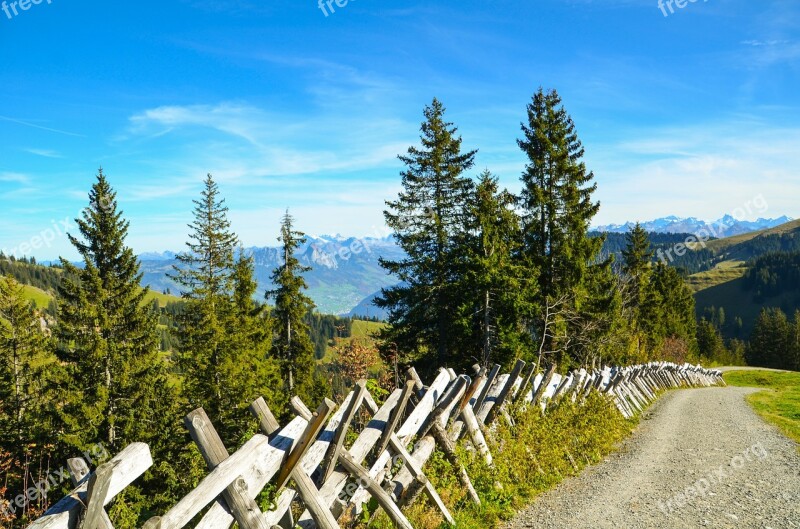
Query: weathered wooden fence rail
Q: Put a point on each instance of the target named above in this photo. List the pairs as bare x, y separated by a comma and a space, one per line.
331, 480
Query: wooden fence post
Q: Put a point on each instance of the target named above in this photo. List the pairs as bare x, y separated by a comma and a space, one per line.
331, 455
524, 386
486, 387
396, 416
116, 475
505, 392
267, 422
374, 488
305, 486
243, 507
315, 424
97, 496
537, 396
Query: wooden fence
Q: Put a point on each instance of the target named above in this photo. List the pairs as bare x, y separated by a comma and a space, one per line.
329, 479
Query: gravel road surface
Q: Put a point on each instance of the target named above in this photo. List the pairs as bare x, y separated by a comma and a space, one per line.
700, 458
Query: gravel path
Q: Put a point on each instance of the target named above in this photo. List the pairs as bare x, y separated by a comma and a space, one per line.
700, 458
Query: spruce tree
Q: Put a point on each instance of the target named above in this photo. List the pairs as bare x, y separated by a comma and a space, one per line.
598, 328
429, 219
204, 273
493, 281
637, 257
668, 309
636, 265
709, 341
222, 353
557, 209
107, 335
292, 345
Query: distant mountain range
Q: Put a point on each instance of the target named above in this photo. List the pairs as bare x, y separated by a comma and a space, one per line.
727, 226
346, 276
345, 272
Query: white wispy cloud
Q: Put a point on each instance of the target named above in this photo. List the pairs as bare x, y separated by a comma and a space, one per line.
757, 43
17, 178
245, 140
47, 153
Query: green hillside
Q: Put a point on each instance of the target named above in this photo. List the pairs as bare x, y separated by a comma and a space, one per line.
724, 260
722, 273
41, 298
733, 293
730, 282
728, 244
728, 256
366, 329
162, 298
738, 302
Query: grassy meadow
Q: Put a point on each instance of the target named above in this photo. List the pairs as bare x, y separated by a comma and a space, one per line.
779, 403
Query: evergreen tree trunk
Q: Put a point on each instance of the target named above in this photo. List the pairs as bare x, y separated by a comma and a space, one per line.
487, 327
110, 412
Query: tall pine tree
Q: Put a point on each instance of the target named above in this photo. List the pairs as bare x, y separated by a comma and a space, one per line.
637, 258
292, 344
107, 335
669, 310
222, 354
709, 342
636, 265
493, 278
429, 219
557, 208
205, 275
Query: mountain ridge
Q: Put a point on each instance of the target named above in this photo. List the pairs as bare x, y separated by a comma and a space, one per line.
726, 226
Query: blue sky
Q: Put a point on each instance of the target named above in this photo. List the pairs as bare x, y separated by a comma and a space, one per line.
692, 114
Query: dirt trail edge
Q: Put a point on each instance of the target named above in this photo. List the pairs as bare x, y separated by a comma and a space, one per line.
700, 458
